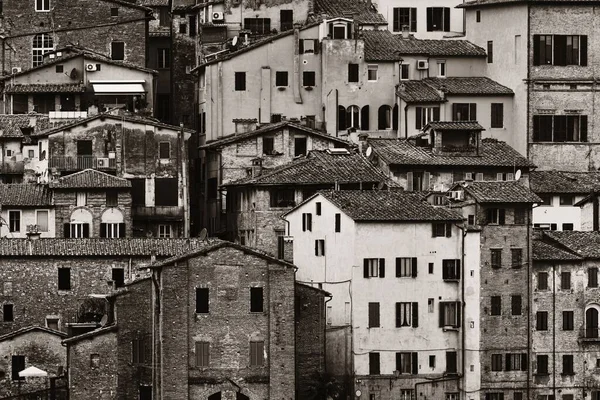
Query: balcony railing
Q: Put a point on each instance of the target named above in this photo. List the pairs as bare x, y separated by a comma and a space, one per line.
164, 213
67, 114
75, 163
589, 334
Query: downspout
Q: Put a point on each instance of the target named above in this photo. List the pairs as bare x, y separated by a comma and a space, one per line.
325, 333
529, 340
406, 121
173, 56
156, 326
595, 209
527, 124
462, 298
553, 330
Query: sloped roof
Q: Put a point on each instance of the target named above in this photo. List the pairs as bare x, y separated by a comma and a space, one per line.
98, 247
564, 182
24, 195
45, 88
383, 45
480, 3
500, 192
472, 85
455, 126
91, 334
388, 205
319, 167
363, 12
418, 92
237, 137
28, 329
90, 178
493, 153
585, 244
11, 124
543, 251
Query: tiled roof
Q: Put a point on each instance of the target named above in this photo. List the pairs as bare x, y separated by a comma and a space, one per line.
28, 329
500, 192
382, 45
418, 92
11, 124
585, 244
270, 128
46, 88
543, 251
154, 3
479, 3
474, 85
455, 126
363, 12
388, 205
493, 153
128, 3
564, 182
130, 247
319, 167
24, 195
90, 178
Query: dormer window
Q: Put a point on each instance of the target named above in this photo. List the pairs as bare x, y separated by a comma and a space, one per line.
340, 29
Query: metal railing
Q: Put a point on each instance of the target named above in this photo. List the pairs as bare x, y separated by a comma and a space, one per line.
74, 163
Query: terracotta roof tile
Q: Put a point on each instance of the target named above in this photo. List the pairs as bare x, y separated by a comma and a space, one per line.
90, 178
585, 244
474, 85
24, 195
362, 12
11, 124
543, 251
500, 192
564, 182
455, 126
46, 88
418, 92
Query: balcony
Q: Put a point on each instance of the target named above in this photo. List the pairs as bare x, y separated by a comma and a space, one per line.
77, 163
158, 213
589, 334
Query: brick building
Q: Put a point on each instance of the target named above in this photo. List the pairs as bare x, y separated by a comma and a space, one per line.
26, 208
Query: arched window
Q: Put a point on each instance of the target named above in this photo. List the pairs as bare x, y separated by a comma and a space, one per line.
385, 117
112, 225
80, 224
352, 117
42, 44
341, 118
364, 118
591, 322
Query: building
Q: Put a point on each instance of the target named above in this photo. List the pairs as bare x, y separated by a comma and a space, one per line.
26, 208
563, 194
255, 204
564, 324
342, 241
547, 56
436, 159
247, 153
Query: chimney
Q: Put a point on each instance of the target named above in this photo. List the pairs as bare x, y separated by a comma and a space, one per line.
288, 249
405, 31
243, 125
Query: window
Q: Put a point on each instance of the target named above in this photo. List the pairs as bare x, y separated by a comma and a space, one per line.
430, 268
42, 44
496, 362
384, 117
164, 150
516, 362
405, 16
567, 360
560, 128
81, 199
464, 112
451, 362
193, 25
374, 315
281, 78
430, 304
306, 222
560, 50
374, 365
60, 69
471, 219
406, 267
7, 313
450, 314
17, 365
591, 322
94, 360
256, 299
42, 5
442, 229
452, 396
496, 305
566, 200
516, 304
567, 227
339, 30
64, 279
164, 231
592, 277
114, 11
166, 191
14, 221
202, 354
286, 18
352, 72
547, 199
541, 318
451, 270
112, 198
52, 323
496, 258
319, 247
118, 277
404, 72
138, 351
425, 115
497, 115
138, 192
353, 117
338, 222
490, 51
164, 58
516, 258
568, 320
240, 81
438, 19
202, 300
374, 267
431, 361
77, 230
318, 208
117, 51
565, 280
308, 46
542, 364
520, 216
478, 16
407, 363
441, 69
183, 28
372, 72
308, 78
282, 198
258, 26
407, 314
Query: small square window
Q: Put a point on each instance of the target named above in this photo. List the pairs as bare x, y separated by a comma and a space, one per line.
94, 360
164, 150
281, 78
114, 11
60, 69
240, 81
308, 79
256, 299
372, 72
52, 323
8, 313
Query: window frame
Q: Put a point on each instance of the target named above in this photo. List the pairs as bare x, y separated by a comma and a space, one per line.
372, 72
397, 18
240, 81
257, 299
14, 224
112, 50
163, 56
309, 77
37, 51
43, 6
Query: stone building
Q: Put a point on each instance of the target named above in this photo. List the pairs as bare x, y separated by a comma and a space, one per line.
26, 208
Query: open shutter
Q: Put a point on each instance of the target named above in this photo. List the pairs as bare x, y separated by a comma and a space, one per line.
102, 230
366, 268
436, 114
341, 118
501, 216
472, 111
303, 222
413, 19
536, 49
583, 50
415, 315
121, 230
409, 181
309, 221
364, 118
414, 267
454, 112
458, 314
442, 308
429, 19
382, 267
458, 276
524, 365
448, 230
316, 46
395, 117
67, 230
301, 46
446, 19
415, 363
86, 230
323, 248
349, 29
398, 267
583, 123
508, 366
536, 128
418, 116
426, 176
316, 247
398, 321
330, 30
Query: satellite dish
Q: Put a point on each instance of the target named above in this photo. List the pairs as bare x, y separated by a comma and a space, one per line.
518, 175
104, 320
74, 74
369, 151
203, 234
358, 393
234, 41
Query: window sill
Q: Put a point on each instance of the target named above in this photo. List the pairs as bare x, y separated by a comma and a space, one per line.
541, 374
567, 374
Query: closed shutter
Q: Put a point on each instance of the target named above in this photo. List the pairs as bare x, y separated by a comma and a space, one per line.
479, 176
415, 363
473, 111
446, 19
86, 230
374, 315
67, 230
501, 216
418, 117
448, 230
301, 45
508, 366
382, 267
341, 118
122, 230
364, 118
415, 315
409, 181
366, 268
583, 50
524, 362
316, 46
414, 267
398, 267
429, 19
395, 117
536, 49
560, 50
426, 177
436, 114
102, 230
583, 128
413, 19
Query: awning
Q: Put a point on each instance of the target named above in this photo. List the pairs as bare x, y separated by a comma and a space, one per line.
32, 372
115, 87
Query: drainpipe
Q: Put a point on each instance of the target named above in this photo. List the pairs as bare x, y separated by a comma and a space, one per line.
554, 330
325, 333
406, 121
595, 209
462, 298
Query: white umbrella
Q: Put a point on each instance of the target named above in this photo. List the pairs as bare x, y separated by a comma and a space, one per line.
32, 372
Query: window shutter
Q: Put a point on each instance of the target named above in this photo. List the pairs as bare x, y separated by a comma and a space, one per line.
441, 315
524, 365
501, 216
415, 363
458, 269
536, 49
436, 114
446, 19
414, 267
121, 230
429, 19
323, 248
316, 46
382, 267
409, 181
316, 247
398, 322
473, 111
508, 362
413, 19
366, 268
415, 315
303, 222
301, 46
395, 117
86, 230
67, 230
349, 29
448, 230
536, 127
458, 314
309, 221
364, 118
583, 122
454, 112
418, 116
102, 230
479, 176
398, 267
330, 30
341, 118
426, 176
560, 49
583, 50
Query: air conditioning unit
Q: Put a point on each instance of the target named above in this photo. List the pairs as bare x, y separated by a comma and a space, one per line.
15, 70
422, 64
102, 162
217, 16
91, 67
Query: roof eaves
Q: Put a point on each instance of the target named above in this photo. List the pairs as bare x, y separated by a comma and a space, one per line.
28, 329
91, 334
